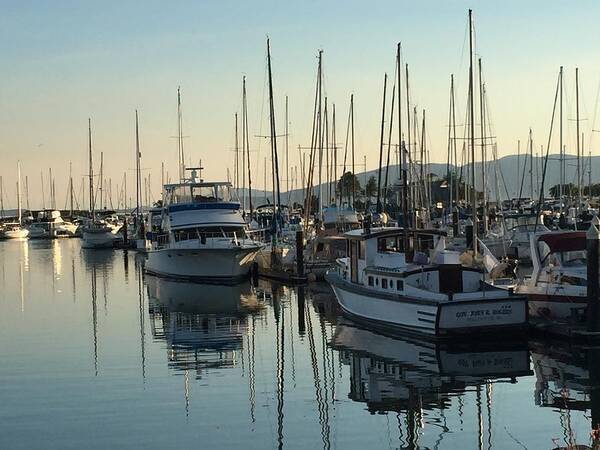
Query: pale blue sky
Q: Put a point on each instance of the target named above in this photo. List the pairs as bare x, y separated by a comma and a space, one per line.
63, 62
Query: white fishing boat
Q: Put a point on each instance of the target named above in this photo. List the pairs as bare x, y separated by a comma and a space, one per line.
557, 287
204, 234
16, 230
423, 290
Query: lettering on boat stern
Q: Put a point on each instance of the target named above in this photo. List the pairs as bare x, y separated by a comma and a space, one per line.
475, 313
479, 314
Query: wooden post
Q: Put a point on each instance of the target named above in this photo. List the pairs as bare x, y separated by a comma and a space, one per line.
455, 222
124, 229
593, 291
469, 232
300, 253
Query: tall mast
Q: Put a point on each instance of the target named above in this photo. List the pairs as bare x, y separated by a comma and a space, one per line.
483, 149
287, 160
52, 202
379, 209
237, 160
408, 149
273, 132
180, 137
578, 140
402, 149
102, 204
334, 150
562, 167
43, 194
472, 132
531, 164
448, 172
27, 193
19, 191
352, 151
70, 188
91, 170
138, 171
1, 197
389, 146
246, 143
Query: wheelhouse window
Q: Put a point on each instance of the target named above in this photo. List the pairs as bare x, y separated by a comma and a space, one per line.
370, 280
399, 285
198, 193
209, 232
384, 283
390, 244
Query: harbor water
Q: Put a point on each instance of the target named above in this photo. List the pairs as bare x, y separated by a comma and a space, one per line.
96, 354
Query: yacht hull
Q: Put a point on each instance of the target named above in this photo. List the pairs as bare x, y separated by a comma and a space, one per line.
97, 239
429, 317
224, 265
21, 233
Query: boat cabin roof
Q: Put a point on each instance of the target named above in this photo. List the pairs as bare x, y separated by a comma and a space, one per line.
380, 232
197, 184
566, 241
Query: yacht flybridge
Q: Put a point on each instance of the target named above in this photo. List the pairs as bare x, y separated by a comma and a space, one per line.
423, 289
205, 234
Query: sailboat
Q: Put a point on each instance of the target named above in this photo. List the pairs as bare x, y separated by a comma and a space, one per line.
96, 233
16, 230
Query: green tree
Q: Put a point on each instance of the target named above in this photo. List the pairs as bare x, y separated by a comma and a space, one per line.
371, 187
345, 185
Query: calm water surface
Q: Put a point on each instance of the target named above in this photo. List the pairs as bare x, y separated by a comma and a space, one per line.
93, 354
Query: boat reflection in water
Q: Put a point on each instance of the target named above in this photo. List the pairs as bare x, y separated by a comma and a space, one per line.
203, 325
403, 375
568, 381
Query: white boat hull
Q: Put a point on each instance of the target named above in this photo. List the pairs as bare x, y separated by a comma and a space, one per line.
97, 239
431, 318
217, 265
21, 233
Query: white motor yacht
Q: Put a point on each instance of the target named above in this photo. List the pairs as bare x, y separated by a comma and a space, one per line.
424, 289
204, 234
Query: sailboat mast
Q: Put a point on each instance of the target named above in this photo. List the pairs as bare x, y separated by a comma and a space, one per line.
180, 137
91, 170
449, 157
287, 160
138, 174
379, 208
102, 204
27, 193
483, 149
407, 151
19, 191
352, 151
70, 188
273, 132
578, 140
245, 140
562, 167
237, 160
472, 132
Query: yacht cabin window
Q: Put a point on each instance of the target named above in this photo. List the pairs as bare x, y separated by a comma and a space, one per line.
390, 244
197, 193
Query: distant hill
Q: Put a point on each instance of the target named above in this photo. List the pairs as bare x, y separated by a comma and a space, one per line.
507, 165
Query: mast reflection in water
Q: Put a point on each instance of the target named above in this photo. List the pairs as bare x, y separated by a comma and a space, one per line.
99, 355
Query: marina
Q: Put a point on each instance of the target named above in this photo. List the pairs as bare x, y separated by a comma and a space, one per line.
343, 253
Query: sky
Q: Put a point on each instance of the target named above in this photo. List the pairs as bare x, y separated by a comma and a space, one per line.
65, 61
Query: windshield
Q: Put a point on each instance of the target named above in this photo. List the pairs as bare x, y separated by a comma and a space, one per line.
198, 194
